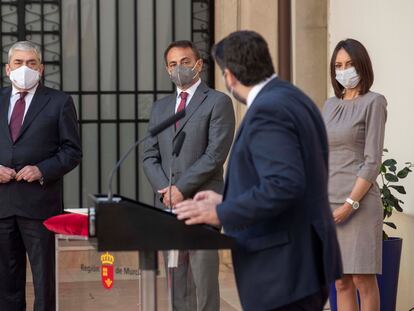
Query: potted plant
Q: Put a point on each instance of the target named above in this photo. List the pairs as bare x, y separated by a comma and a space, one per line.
390, 175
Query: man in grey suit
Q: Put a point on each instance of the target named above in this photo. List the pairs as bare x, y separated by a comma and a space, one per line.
209, 126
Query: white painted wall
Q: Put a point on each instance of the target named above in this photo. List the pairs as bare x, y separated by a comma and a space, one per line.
386, 28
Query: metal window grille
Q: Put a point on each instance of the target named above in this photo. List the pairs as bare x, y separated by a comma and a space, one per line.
108, 54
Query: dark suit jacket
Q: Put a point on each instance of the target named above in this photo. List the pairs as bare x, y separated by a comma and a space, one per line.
275, 201
49, 139
209, 125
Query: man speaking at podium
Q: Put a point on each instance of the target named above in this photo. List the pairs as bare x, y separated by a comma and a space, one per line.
275, 202
209, 128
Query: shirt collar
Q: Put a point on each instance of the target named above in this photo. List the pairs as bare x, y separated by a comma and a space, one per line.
191, 90
257, 88
31, 91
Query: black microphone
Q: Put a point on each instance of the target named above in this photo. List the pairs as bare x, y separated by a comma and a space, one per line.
151, 133
176, 151
166, 123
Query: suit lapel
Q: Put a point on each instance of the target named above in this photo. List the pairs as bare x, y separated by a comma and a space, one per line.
40, 100
170, 111
195, 102
240, 128
4, 111
228, 169
273, 83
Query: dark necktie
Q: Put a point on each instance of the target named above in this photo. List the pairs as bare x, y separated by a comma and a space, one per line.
181, 106
16, 118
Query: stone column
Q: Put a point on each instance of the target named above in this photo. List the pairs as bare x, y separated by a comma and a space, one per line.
233, 15
309, 48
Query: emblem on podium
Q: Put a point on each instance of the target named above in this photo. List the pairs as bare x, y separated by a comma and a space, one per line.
107, 270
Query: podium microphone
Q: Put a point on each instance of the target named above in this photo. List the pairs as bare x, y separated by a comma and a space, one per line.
151, 133
176, 152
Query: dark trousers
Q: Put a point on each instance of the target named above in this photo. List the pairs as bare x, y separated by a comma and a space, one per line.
314, 302
19, 236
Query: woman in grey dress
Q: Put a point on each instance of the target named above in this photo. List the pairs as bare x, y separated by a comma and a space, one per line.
355, 121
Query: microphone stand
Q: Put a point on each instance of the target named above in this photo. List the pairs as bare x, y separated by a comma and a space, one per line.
151, 133
170, 182
148, 259
120, 161
176, 151
174, 254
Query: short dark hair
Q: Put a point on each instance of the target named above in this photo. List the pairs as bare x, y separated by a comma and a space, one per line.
182, 44
360, 60
246, 55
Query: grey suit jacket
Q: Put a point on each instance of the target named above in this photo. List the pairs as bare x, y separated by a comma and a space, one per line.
209, 125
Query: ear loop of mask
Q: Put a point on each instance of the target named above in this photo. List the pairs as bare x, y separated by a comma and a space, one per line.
231, 87
232, 91
194, 68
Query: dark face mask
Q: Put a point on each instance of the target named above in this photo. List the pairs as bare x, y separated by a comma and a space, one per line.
182, 76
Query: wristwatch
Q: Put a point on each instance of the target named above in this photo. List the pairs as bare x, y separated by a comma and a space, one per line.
354, 204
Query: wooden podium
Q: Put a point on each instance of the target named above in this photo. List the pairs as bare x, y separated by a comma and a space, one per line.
126, 225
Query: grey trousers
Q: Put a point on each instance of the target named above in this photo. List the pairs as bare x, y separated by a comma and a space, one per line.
194, 282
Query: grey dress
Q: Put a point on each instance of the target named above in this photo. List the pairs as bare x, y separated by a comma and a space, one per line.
356, 136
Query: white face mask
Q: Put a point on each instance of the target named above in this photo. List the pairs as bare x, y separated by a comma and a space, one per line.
24, 77
348, 78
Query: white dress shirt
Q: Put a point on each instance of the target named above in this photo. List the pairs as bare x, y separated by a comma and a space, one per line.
257, 88
191, 90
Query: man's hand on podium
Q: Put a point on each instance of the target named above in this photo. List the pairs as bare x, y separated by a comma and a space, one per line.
200, 210
209, 195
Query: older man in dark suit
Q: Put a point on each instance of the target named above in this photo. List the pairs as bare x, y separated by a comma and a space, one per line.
39, 144
275, 201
